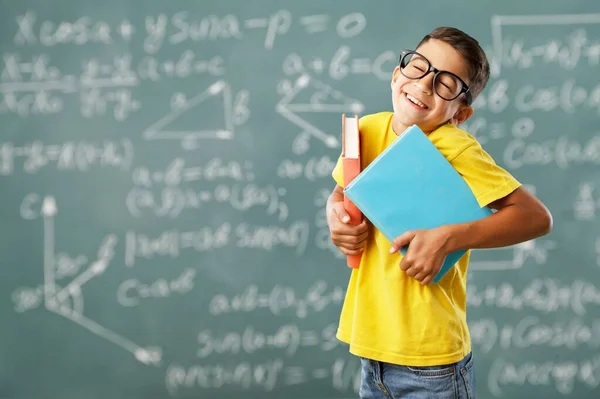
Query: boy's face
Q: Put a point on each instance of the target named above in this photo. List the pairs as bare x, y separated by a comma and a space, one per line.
433, 111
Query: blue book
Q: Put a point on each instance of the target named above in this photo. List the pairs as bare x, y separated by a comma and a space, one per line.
410, 186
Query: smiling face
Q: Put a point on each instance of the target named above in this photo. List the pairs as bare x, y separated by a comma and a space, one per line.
415, 101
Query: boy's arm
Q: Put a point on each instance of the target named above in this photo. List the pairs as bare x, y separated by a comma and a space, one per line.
520, 217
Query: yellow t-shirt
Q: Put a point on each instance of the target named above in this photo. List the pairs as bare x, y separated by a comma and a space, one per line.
390, 317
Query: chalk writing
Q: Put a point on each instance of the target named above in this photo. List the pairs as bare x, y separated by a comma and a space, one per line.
486, 131
568, 96
132, 291
215, 169
541, 294
265, 376
313, 169
30, 87
171, 242
323, 235
187, 168
71, 155
342, 65
563, 375
562, 152
586, 204
567, 52
531, 331
279, 299
81, 31
288, 339
172, 201
242, 376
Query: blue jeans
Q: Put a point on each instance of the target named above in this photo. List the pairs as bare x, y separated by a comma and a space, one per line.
381, 380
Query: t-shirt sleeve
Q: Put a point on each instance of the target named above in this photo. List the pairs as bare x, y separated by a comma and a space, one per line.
338, 172
488, 181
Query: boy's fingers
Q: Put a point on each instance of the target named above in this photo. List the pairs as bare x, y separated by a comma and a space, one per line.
342, 230
420, 276
341, 213
349, 229
363, 226
347, 251
427, 280
401, 241
351, 247
352, 239
405, 264
412, 272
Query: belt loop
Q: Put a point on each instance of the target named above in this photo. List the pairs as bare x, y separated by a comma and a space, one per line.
379, 372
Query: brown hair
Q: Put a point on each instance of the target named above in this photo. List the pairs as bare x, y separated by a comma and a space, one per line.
473, 54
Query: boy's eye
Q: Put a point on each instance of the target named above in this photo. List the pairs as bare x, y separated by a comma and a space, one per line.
418, 64
447, 81
445, 85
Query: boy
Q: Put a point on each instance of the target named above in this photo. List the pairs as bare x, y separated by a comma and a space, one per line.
412, 336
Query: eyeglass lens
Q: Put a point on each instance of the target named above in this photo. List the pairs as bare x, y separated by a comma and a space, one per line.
445, 84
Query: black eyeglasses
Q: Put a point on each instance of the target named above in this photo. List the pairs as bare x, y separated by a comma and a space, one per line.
446, 84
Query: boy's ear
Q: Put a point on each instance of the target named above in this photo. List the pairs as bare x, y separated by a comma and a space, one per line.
395, 75
463, 113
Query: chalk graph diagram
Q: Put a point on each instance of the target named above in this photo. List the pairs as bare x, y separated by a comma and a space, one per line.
306, 96
216, 100
67, 301
515, 257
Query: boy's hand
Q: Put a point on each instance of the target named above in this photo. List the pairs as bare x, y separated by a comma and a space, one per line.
350, 239
426, 252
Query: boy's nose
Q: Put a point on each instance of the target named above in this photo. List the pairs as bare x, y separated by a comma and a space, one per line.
425, 84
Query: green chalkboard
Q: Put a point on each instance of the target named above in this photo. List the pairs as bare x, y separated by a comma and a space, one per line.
164, 168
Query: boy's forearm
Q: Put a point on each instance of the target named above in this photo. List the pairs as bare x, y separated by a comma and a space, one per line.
508, 226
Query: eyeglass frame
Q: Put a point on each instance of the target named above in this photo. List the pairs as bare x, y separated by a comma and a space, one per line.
465, 88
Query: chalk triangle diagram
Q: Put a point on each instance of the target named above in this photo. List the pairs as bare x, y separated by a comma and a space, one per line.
206, 116
310, 96
493, 259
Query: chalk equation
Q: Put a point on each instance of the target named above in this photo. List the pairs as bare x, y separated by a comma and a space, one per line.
545, 295
343, 376
561, 375
342, 65
278, 300
288, 338
184, 26
81, 156
574, 48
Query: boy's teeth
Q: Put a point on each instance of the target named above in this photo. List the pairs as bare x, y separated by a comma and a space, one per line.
414, 100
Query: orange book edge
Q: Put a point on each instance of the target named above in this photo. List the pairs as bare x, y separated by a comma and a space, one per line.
351, 168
